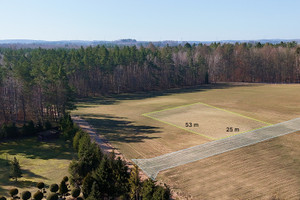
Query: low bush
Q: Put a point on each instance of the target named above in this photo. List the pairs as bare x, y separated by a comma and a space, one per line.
52, 196
38, 195
54, 188
75, 192
13, 192
26, 195
40, 185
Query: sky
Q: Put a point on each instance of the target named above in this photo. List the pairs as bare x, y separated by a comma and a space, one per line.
149, 20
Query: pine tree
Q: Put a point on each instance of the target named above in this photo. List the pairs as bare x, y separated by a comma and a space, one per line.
95, 192
148, 189
63, 188
135, 183
103, 177
161, 193
15, 170
121, 176
87, 185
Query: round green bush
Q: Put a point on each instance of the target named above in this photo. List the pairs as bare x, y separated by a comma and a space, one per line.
52, 196
26, 195
38, 195
54, 188
65, 179
2, 198
40, 185
13, 192
75, 192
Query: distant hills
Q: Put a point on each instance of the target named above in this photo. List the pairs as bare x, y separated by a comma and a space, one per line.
22, 43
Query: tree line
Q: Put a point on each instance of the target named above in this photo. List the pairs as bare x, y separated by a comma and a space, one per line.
92, 174
103, 176
41, 84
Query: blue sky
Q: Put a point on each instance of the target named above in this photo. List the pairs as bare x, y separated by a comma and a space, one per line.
201, 20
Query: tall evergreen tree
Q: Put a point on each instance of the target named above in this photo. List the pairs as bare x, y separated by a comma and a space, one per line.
135, 183
63, 188
104, 178
95, 193
15, 170
87, 184
148, 189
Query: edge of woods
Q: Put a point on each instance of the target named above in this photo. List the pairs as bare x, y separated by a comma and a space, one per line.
94, 174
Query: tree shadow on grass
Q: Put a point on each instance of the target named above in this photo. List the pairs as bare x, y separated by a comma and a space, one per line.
6, 181
23, 184
118, 129
4, 175
116, 98
32, 148
20, 184
28, 173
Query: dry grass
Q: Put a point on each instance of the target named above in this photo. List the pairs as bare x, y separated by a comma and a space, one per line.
259, 171
120, 118
255, 172
207, 121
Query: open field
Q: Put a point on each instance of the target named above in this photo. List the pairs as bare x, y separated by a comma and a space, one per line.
254, 172
39, 161
152, 166
205, 120
119, 118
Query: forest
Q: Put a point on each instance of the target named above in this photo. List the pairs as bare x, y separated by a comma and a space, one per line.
42, 84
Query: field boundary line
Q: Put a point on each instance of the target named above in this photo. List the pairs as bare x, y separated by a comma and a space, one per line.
208, 137
170, 108
269, 124
203, 135
184, 156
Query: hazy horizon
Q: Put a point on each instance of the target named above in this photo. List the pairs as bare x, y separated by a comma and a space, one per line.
25, 39
175, 20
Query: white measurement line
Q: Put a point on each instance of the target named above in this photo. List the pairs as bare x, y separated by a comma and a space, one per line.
154, 165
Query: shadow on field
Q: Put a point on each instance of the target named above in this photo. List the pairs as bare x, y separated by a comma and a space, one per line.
6, 181
118, 129
32, 148
28, 173
4, 174
115, 98
19, 184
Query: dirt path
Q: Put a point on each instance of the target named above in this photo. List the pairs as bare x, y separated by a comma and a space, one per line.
104, 144
154, 165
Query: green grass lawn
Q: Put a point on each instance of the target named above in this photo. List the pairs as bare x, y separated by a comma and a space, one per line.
39, 161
